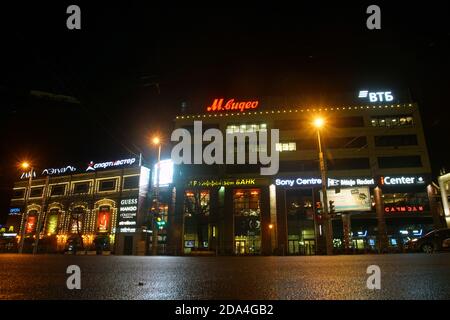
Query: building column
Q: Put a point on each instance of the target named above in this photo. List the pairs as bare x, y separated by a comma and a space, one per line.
227, 234
273, 218
213, 219
282, 228
266, 232
382, 233
443, 180
434, 209
346, 230
175, 236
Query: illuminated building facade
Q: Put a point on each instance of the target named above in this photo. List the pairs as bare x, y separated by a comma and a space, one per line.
103, 203
379, 178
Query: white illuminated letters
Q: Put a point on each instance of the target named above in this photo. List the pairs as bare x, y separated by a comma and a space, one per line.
379, 96
401, 180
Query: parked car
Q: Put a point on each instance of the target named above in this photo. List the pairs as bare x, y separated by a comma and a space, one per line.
433, 241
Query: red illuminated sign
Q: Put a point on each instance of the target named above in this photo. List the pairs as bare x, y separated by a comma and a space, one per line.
390, 209
231, 104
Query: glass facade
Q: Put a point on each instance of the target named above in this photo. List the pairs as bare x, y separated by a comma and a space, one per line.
247, 221
300, 219
196, 226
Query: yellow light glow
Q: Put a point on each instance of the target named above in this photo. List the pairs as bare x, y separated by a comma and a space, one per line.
156, 140
270, 226
319, 122
25, 165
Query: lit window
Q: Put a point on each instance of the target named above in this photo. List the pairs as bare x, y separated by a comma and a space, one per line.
286, 146
246, 128
292, 146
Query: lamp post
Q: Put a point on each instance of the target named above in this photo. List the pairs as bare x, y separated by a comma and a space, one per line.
25, 165
156, 141
328, 228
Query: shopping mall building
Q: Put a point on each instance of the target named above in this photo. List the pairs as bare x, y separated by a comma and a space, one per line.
104, 203
378, 175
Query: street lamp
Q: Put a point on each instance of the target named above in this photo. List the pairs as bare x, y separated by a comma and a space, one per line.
328, 228
157, 142
25, 165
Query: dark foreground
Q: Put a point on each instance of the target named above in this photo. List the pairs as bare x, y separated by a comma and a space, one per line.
403, 276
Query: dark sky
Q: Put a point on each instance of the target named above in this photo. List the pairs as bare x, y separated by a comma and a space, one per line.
133, 63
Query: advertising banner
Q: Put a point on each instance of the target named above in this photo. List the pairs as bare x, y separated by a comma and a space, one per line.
350, 199
103, 219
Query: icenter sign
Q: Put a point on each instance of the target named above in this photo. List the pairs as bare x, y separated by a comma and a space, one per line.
403, 180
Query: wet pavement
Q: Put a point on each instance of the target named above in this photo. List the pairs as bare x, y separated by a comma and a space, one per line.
403, 276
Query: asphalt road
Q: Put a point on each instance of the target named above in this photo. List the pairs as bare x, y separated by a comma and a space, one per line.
403, 276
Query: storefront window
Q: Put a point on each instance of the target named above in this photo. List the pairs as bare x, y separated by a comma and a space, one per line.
196, 203
104, 216
52, 222
76, 224
30, 226
247, 221
300, 215
405, 202
196, 210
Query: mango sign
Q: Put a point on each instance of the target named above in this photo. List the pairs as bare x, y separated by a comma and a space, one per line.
231, 104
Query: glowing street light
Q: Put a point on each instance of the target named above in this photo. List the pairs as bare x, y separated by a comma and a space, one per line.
25, 165
319, 123
157, 142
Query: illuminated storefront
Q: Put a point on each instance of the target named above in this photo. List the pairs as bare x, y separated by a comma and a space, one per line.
379, 181
221, 216
99, 207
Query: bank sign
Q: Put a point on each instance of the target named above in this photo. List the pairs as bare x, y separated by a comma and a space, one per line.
331, 182
377, 96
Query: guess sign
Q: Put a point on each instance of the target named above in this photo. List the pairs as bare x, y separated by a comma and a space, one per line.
394, 209
231, 104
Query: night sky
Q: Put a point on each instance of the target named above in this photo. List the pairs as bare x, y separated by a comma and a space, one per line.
132, 64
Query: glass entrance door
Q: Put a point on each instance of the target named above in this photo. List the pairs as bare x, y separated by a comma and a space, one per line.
240, 247
293, 247
309, 248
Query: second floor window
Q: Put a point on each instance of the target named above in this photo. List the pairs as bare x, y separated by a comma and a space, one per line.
81, 187
246, 128
286, 146
107, 185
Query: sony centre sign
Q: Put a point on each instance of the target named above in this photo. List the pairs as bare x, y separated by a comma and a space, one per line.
331, 182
